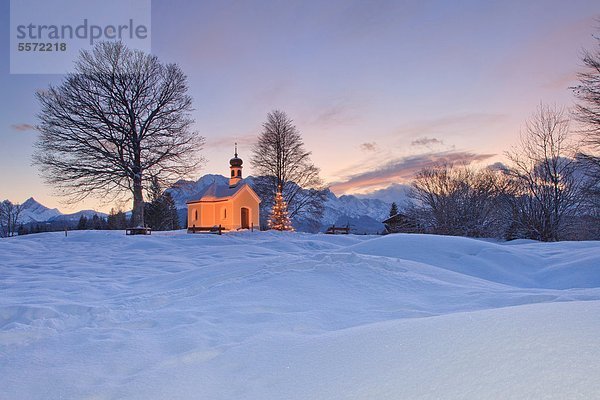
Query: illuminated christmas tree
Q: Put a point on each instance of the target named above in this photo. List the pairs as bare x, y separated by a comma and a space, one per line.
279, 219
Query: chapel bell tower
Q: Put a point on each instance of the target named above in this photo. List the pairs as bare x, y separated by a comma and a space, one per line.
235, 165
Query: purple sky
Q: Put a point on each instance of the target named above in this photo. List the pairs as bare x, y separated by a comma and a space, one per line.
378, 89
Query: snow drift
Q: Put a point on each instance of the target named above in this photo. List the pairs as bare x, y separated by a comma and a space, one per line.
296, 316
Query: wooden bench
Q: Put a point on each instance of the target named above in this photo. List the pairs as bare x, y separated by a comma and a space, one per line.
334, 230
206, 229
138, 231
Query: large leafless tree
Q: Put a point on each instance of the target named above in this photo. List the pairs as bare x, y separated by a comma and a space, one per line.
280, 160
120, 119
547, 191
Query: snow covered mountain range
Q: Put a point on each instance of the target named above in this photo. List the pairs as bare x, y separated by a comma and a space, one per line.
364, 215
35, 212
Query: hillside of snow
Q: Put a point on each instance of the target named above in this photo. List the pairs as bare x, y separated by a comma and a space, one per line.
266, 315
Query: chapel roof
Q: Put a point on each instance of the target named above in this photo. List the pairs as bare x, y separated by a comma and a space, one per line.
216, 192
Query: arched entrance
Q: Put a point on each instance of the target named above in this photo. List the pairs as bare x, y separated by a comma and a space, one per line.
245, 218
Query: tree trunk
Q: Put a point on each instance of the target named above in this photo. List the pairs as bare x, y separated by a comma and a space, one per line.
137, 216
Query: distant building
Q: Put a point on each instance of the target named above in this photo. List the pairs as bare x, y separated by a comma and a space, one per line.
401, 223
235, 206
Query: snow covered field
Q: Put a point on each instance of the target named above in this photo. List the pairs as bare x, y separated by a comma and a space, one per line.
99, 315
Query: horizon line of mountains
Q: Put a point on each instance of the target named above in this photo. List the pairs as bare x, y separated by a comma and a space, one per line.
362, 213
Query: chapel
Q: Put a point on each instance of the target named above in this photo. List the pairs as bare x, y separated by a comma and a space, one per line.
233, 207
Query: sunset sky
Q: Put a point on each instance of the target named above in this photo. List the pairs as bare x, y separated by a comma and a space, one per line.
378, 89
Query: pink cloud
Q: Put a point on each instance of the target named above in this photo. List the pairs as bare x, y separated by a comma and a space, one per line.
425, 141
23, 127
369, 146
403, 170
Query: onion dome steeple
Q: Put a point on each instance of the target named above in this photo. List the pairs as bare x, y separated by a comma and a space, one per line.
236, 161
235, 165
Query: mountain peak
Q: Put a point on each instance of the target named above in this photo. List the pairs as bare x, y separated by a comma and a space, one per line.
31, 202
34, 211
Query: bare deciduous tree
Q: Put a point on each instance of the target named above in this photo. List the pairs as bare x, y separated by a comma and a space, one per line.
547, 191
121, 118
281, 161
587, 110
459, 201
9, 218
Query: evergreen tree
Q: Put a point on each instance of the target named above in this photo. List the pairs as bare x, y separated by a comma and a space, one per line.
172, 215
98, 223
116, 220
279, 219
83, 223
150, 219
154, 210
22, 230
155, 191
110, 220
40, 228
121, 220
161, 212
394, 209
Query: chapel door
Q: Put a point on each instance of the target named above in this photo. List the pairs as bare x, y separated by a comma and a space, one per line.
245, 218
